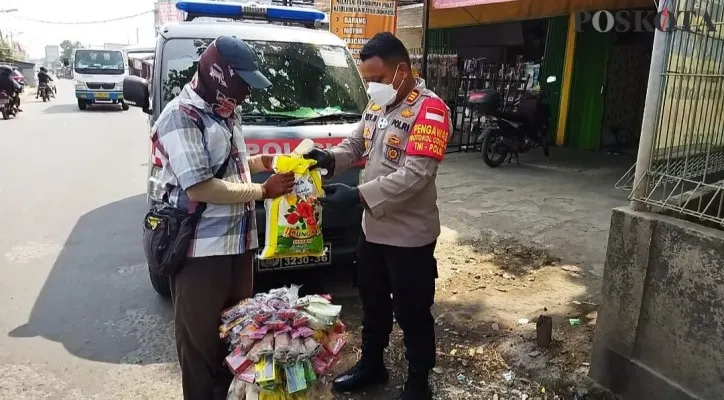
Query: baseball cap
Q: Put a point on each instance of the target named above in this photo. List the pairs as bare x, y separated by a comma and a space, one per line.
241, 59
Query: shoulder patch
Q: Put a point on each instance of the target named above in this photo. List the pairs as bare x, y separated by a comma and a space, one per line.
431, 130
412, 97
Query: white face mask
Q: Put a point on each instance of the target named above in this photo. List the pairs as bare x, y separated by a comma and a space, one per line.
382, 94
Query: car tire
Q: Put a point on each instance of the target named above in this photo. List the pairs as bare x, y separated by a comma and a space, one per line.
125, 106
82, 104
161, 284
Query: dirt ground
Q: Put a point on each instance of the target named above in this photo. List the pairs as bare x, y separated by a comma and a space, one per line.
519, 256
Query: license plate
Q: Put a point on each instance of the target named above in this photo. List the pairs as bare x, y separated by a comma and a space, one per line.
101, 95
296, 262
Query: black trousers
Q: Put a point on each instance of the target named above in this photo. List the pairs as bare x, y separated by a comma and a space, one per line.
399, 281
200, 291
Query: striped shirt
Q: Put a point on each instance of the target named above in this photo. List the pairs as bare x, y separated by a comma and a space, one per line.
193, 143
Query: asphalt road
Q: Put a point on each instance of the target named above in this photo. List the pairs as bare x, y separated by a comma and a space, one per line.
78, 317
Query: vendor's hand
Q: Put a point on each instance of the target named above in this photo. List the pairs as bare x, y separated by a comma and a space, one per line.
322, 157
339, 194
278, 185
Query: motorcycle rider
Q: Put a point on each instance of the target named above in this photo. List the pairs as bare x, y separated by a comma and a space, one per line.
10, 86
44, 77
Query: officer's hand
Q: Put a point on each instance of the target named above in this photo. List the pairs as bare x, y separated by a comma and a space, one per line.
339, 194
278, 185
322, 157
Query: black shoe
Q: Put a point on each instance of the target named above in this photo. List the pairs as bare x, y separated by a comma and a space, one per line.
417, 387
365, 373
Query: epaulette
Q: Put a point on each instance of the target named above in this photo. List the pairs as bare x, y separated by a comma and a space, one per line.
413, 97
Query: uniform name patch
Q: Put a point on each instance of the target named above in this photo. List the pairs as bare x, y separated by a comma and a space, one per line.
370, 117
431, 131
403, 126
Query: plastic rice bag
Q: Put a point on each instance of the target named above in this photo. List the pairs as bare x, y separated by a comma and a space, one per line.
294, 221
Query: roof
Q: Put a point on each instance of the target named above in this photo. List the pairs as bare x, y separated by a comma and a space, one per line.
250, 31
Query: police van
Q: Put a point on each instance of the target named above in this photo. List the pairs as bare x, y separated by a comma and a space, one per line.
317, 93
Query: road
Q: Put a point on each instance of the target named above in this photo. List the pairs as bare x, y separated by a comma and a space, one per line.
78, 317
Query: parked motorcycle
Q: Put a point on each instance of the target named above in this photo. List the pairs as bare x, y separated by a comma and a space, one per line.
506, 134
44, 91
7, 106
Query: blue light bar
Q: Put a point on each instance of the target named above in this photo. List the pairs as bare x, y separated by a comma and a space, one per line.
215, 9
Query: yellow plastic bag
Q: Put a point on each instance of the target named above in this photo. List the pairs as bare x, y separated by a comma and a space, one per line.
294, 221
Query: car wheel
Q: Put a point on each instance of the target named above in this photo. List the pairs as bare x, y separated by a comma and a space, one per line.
82, 104
5, 113
161, 284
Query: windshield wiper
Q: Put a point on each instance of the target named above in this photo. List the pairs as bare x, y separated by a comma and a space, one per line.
264, 116
319, 118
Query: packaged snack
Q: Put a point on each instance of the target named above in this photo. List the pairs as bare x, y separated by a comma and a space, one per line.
259, 333
248, 375
282, 347
262, 348
309, 374
323, 361
237, 390
293, 222
296, 381
303, 332
339, 327
300, 320
334, 343
311, 347
288, 314
237, 362
276, 324
265, 370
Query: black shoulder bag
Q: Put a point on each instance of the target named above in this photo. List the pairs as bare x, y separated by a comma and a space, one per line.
167, 232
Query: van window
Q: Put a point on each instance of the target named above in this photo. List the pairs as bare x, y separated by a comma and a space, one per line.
308, 80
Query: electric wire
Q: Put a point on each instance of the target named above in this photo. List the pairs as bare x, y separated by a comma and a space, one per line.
41, 21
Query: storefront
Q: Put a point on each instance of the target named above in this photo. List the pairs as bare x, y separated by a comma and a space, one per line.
597, 99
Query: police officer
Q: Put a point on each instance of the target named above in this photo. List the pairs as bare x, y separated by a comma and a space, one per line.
403, 134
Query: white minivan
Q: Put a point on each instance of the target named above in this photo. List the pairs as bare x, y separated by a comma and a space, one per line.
98, 75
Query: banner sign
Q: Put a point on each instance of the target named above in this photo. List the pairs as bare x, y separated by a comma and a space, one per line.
357, 21
463, 3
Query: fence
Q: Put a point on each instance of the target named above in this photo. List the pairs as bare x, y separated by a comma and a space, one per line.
685, 174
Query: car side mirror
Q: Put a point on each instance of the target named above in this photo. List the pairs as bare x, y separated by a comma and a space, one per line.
135, 92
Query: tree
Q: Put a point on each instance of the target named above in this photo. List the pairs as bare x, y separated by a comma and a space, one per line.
67, 48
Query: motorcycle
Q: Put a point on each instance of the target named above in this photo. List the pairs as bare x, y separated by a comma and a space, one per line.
44, 91
7, 105
506, 134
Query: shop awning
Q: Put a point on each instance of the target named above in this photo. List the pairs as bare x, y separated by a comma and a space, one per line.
463, 3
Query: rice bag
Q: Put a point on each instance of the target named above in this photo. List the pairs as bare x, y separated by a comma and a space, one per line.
282, 347
293, 222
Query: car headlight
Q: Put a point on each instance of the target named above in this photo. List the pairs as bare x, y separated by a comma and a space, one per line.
119, 86
79, 85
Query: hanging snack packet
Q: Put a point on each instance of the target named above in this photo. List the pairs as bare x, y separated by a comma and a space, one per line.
294, 221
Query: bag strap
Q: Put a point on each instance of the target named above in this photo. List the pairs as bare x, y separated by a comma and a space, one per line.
218, 175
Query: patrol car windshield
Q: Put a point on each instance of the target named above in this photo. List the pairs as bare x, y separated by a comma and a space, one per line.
107, 62
308, 80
